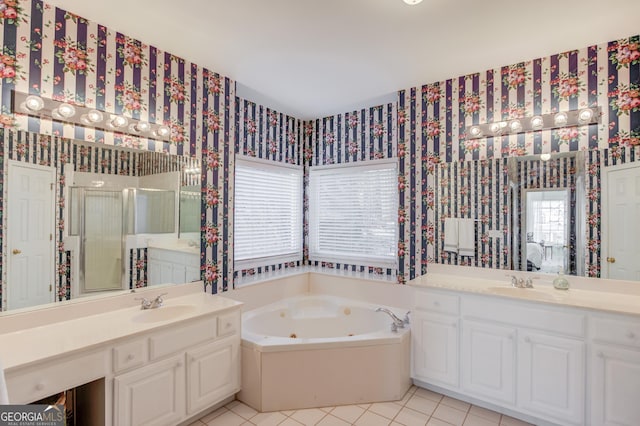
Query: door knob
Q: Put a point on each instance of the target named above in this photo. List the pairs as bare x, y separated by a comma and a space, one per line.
16, 251
611, 259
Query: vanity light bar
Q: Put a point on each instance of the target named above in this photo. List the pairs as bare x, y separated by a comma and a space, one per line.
578, 117
36, 106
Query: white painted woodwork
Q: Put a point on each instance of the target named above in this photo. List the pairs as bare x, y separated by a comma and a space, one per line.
434, 343
30, 235
211, 375
487, 357
151, 395
172, 266
620, 226
551, 376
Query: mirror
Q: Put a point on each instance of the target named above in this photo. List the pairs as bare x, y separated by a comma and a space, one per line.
82, 217
544, 216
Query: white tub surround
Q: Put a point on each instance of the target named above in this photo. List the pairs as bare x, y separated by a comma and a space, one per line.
318, 350
185, 354
546, 356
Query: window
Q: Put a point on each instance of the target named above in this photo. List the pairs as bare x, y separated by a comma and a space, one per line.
268, 213
353, 213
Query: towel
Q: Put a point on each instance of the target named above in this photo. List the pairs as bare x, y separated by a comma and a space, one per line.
451, 234
4, 395
466, 237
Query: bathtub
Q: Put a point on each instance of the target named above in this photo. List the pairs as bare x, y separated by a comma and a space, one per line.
320, 350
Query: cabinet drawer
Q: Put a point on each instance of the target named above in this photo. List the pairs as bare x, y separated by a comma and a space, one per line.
179, 338
228, 324
129, 355
614, 330
37, 382
437, 302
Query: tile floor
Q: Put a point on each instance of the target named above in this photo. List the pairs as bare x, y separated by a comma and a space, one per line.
418, 407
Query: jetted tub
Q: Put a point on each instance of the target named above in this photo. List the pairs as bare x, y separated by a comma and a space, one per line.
319, 350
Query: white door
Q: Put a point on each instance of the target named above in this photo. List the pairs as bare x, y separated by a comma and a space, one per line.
30, 234
620, 226
615, 389
435, 348
212, 373
551, 377
151, 395
488, 354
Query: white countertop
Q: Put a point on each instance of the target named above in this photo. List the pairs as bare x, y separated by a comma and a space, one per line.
608, 301
22, 347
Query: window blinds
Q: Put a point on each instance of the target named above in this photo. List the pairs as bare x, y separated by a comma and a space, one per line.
267, 213
353, 213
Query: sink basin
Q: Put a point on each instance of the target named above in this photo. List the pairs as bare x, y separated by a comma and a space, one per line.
528, 293
163, 313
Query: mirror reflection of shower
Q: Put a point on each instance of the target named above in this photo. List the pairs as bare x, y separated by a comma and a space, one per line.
108, 214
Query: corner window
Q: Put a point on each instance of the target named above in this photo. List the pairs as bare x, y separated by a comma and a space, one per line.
267, 213
353, 213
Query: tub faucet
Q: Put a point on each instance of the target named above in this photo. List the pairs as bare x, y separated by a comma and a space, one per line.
397, 322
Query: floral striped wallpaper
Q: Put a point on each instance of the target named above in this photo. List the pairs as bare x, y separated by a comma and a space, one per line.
356, 136
262, 132
432, 120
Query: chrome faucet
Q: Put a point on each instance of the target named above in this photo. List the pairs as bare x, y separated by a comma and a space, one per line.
151, 304
520, 282
397, 322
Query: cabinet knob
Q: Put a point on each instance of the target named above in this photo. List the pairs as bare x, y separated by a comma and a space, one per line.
454, 325
130, 357
600, 354
631, 334
510, 337
178, 364
527, 339
40, 386
227, 325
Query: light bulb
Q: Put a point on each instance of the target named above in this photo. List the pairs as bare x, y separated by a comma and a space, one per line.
515, 126
66, 110
412, 2
94, 116
560, 119
34, 103
143, 126
119, 121
537, 122
163, 131
585, 115
475, 131
545, 157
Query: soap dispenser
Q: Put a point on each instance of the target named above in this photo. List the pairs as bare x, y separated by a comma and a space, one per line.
560, 282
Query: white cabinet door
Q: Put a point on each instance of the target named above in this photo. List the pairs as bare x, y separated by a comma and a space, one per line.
193, 274
178, 273
615, 386
154, 272
213, 373
551, 374
151, 395
435, 348
488, 354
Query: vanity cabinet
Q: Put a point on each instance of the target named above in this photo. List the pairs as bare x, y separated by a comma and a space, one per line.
151, 395
488, 360
526, 357
172, 266
615, 371
434, 335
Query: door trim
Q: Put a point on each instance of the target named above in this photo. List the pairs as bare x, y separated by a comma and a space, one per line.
604, 212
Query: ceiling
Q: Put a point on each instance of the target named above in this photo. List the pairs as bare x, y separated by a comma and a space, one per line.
313, 58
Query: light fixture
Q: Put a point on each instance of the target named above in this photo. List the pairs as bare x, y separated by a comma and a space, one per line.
545, 157
515, 126
560, 119
554, 120
412, 2
34, 103
36, 106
